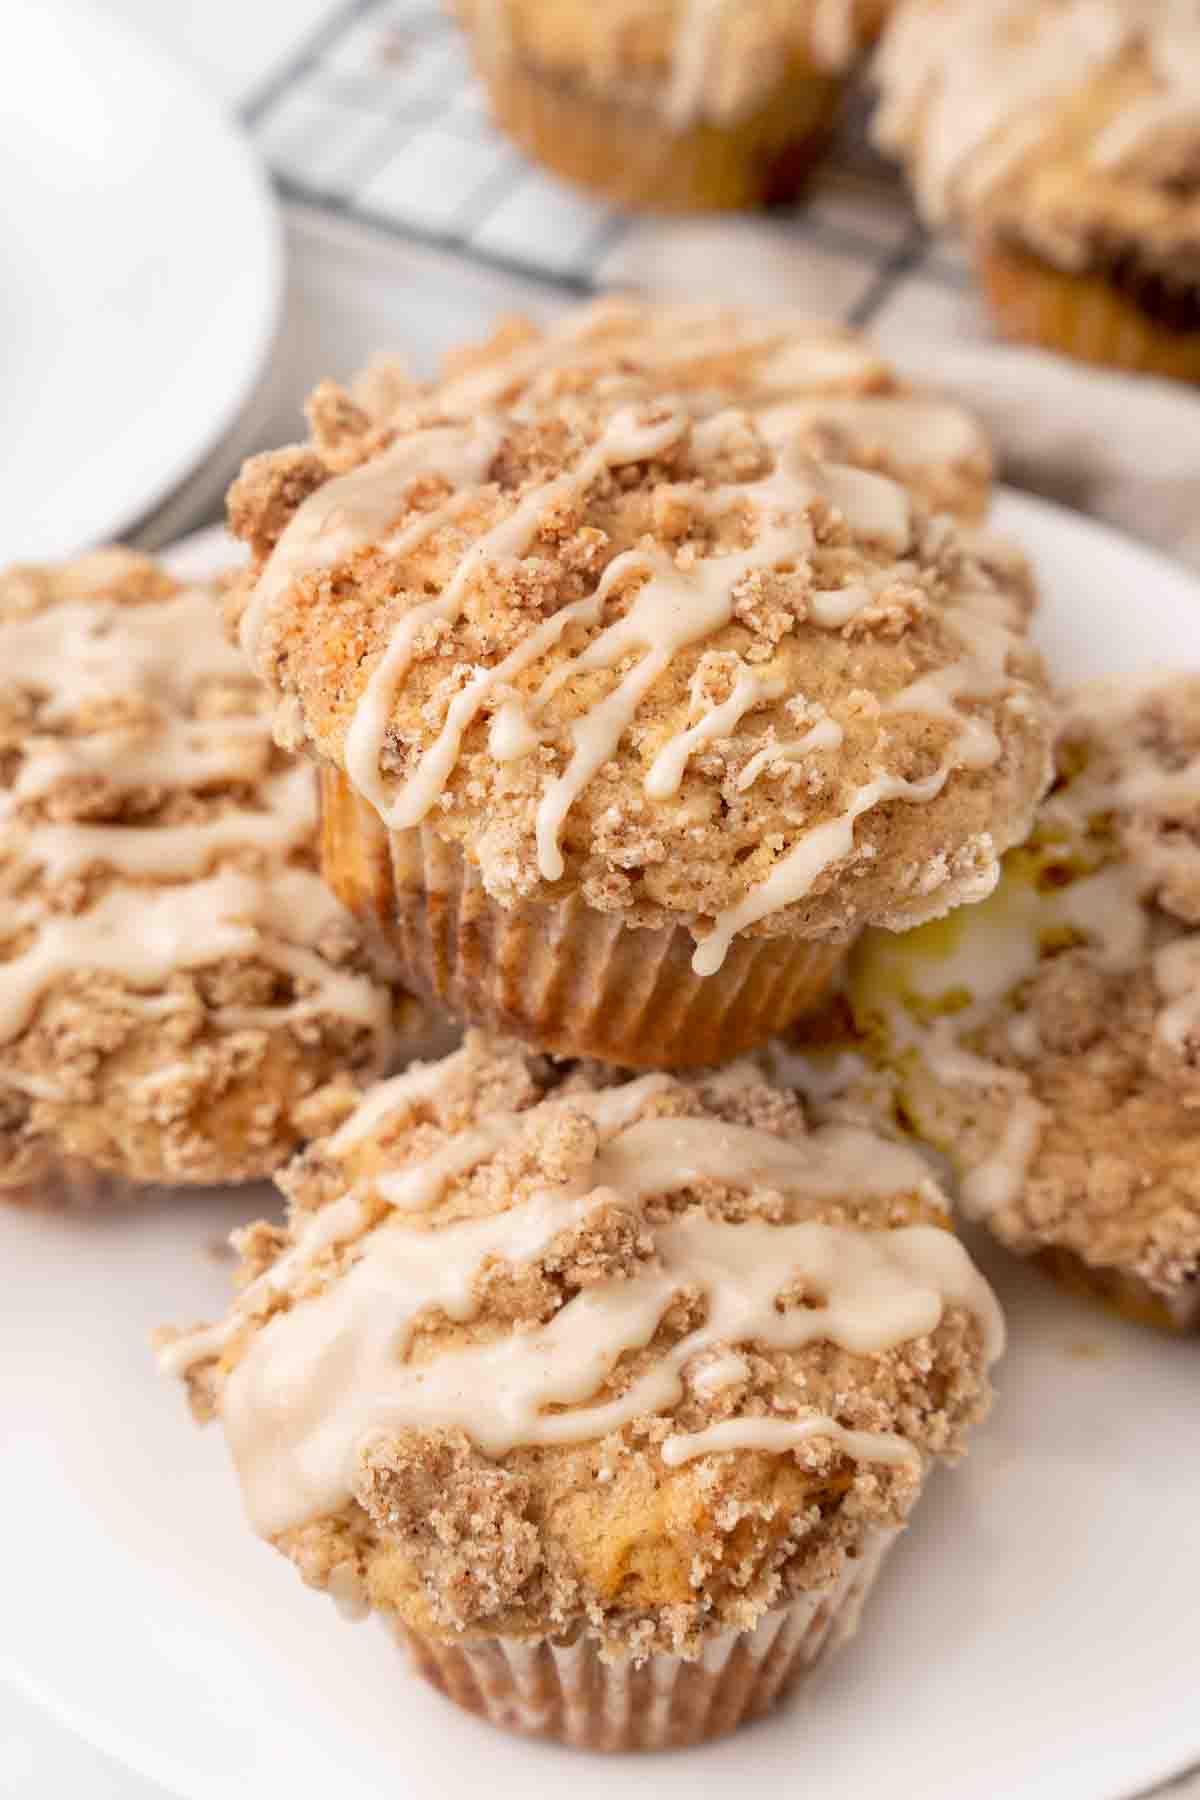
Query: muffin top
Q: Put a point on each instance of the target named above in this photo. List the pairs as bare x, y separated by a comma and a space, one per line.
175, 980
687, 60
1050, 1039
1070, 126
823, 384
644, 1359
650, 654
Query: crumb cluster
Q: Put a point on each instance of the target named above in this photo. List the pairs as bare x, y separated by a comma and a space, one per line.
117, 769
603, 1535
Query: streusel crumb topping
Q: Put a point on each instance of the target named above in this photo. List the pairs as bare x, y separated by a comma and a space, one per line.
826, 385
643, 1358
656, 654
174, 978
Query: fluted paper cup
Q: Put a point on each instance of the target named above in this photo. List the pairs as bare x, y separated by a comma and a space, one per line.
567, 1693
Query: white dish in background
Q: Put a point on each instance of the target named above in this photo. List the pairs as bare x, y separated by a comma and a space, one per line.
142, 276
1034, 1634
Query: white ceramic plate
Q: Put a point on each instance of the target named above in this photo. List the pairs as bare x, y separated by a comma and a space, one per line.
1035, 1632
142, 276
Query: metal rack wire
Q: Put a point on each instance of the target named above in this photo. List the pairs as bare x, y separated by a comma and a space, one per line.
376, 117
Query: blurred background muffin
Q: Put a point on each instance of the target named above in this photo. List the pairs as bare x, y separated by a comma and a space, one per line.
1064, 139
669, 105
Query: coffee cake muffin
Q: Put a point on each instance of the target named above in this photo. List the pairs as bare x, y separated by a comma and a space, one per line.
1049, 1040
176, 982
1064, 137
609, 1398
670, 104
824, 384
631, 715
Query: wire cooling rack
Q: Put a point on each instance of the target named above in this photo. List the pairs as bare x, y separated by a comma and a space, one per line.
377, 117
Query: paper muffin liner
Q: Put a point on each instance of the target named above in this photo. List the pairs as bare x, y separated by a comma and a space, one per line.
568, 1694
1084, 316
630, 154
1122, 1293
559, 975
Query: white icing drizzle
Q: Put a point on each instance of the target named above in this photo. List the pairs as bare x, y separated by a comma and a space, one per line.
348, 1593
694, 50
826, 734
795, 874
145, 935
995, 947
319, 1382
285, 819
835, 607
671, 609
410, 1190
776, 1436
799, 354
976, 89
420, 1189
997, 1181
980, 675
833, 35
750, 689
624, 440
1177, 976
701, 80
166, 753
723, 1370
82, 651
1144, 120
911, 430
160, 655
346, 514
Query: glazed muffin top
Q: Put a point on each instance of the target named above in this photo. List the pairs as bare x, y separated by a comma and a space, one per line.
643, 1359
1051, 1037
825, 385
656, 656
175, 981
1071, 126
689, 60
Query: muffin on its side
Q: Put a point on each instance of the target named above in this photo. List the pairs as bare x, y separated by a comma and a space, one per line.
609, 1398
631, 714
1049, 1040
176, 983
670, 105
1064, 137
